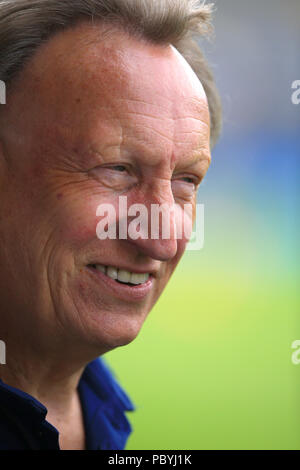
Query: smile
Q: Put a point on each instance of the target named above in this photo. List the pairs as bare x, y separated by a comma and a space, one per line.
121, 275
125, 285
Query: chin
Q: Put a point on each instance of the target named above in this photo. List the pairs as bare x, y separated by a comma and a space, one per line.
117, 332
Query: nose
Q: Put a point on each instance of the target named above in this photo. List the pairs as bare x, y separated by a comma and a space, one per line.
151, 223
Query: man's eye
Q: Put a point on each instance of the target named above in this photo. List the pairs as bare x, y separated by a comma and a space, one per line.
119, 168
187, 179
117, 177
184, 188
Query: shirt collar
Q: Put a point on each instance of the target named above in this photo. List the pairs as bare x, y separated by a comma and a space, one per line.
104, 404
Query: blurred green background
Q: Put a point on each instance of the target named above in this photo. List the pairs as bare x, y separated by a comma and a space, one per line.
212, 368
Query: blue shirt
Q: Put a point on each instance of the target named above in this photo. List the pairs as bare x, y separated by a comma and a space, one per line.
23, 422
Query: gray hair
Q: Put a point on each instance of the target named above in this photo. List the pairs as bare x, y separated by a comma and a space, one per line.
27, 24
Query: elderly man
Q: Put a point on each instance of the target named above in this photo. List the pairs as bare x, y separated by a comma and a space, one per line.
105, 98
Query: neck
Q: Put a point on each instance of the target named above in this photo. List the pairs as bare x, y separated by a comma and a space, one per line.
48, 367
56, 387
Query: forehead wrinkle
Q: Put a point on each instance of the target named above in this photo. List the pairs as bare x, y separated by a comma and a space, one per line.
90, 85
135, 141
175, 125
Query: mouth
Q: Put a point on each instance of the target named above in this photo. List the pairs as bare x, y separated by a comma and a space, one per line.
124, 284
121, 275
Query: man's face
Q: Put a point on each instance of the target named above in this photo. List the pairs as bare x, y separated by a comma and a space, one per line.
88, 122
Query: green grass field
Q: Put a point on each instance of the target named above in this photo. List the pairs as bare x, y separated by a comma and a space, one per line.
211, 368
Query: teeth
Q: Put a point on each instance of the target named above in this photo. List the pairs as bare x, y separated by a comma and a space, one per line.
122, 275
112, 272
139, 278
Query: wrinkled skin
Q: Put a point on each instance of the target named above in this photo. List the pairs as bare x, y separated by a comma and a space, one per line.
84, 125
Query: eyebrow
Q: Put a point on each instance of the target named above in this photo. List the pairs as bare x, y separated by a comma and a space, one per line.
204, 157
200, 157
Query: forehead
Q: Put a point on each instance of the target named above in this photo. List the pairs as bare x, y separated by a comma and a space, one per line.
88, 80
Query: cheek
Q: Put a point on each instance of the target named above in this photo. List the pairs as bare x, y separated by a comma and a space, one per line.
77, 221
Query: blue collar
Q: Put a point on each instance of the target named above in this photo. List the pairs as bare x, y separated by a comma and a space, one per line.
104, 403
